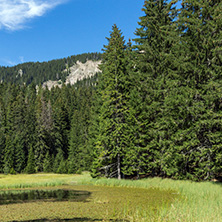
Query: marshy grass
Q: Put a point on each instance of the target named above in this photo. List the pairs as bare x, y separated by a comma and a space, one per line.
154, 199
199, 201
103, 204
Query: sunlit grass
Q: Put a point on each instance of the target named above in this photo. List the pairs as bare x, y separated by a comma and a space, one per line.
37, 180
200, 201
189, 201
103, 204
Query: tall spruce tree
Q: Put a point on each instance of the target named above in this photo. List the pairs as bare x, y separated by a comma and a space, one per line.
30, 117
80, 155
2, 134
198, 147
44, 128
155, 71
200, 26
31, 167
9, 152
20, 132
130, 165
112, 138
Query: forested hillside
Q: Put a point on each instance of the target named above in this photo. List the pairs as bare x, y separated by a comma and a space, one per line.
36, 124
155, 110
38, 73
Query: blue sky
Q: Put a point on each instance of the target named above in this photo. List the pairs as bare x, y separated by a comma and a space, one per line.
42, 30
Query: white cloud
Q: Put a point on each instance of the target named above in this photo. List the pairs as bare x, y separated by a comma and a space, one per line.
15, 13
5, 61
21, 58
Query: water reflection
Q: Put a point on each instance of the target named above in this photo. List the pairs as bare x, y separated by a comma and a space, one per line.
21, 196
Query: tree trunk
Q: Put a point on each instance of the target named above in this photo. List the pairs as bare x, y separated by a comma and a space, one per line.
118, 167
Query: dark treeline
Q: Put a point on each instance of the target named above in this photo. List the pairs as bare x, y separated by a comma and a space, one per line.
45, 131
37, 73
156, 109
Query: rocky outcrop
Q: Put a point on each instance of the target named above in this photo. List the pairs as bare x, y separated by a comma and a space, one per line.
20, 73
82, 70
50, 84
77, 72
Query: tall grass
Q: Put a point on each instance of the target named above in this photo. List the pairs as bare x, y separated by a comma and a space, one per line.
36, 180
200, 201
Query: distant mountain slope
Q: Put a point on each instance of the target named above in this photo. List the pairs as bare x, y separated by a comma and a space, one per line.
78, 71
38, 73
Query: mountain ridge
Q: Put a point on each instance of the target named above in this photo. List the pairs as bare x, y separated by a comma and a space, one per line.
39, 73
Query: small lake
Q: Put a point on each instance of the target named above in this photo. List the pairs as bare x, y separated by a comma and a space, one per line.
23, 196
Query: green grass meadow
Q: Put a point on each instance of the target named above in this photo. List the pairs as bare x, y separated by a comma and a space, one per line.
152, 199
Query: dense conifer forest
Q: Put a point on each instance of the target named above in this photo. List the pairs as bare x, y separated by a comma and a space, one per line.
155, 110
38, 73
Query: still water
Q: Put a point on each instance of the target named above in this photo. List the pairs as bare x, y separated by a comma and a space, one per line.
24, 196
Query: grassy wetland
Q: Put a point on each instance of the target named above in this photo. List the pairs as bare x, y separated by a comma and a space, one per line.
151, 199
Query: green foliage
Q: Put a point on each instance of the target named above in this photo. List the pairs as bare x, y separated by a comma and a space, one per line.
47, 164
112, 139
155, 110
62, 167
42, 120
12, 171
154, 73
31, 167
80, 156
59, 162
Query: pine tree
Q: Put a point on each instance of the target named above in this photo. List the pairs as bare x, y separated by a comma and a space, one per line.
75, 151
47, 164
43, 131
200, 42
155, 70
80, 155
9, 152
61, 127
112, 138
2, 135
30, 117
59, 165
62, 167
20, 132
31, 167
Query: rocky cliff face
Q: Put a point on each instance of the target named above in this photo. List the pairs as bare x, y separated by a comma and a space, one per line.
82, 70
77, 72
